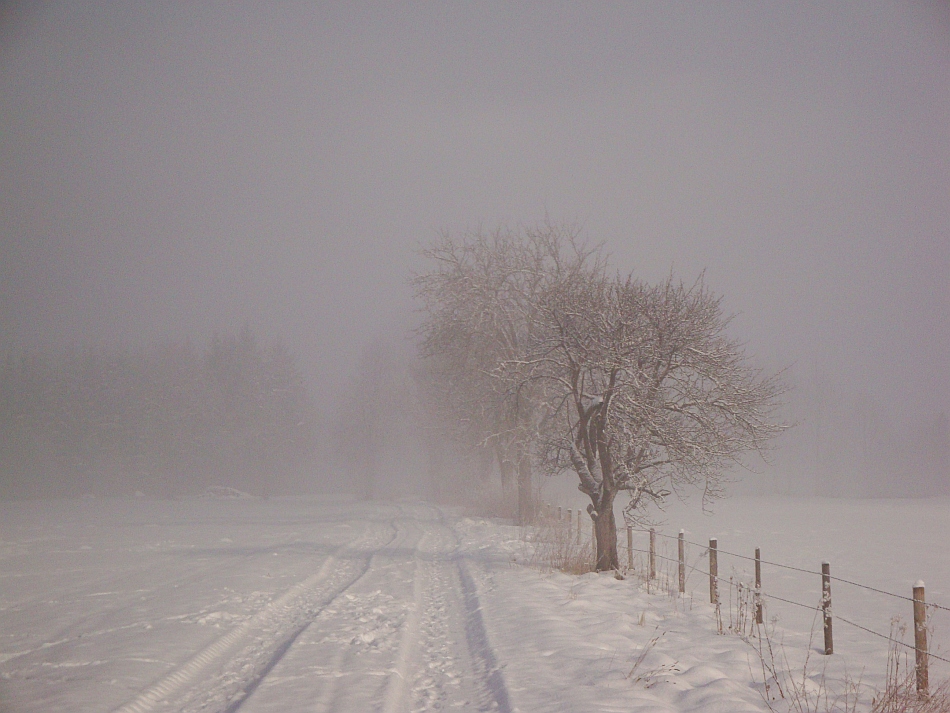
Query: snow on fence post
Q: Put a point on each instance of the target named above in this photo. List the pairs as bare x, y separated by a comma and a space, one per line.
682, 562
630, 547
826, 606
920, 639
713, 570
652, 554
758, 586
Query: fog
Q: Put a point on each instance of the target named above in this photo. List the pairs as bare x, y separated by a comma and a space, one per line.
172, 171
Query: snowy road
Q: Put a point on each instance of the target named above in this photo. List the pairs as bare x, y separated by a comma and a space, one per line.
400, 637
251, 606
320, 605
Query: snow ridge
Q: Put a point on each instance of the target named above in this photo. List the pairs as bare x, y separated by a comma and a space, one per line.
397, 690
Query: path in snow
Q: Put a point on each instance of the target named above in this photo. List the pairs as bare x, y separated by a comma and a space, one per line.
226, 671
315, 605
141, 606
136, 607
406, 636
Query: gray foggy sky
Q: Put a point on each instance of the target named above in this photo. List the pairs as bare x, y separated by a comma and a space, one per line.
175, 168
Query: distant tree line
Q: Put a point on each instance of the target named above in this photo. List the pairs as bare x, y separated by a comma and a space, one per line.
166, 420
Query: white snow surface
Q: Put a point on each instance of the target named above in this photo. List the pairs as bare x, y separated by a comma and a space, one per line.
248, 605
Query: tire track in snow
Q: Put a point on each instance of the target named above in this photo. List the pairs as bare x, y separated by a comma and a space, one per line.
397, 689
459, 667
446, 677
354, 654
478, 642
253, 656
437, 656
408, 637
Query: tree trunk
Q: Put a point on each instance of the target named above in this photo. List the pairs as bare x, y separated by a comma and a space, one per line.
484, 460
506, 468
605, 528
525, 493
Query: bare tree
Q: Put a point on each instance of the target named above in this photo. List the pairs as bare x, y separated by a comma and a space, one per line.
634, 387
481, 297
643, 392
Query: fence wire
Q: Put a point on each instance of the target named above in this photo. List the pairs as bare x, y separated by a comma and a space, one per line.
765, 595
932, 605
705, 549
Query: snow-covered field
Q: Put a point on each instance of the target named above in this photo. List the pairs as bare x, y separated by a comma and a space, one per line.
322, 605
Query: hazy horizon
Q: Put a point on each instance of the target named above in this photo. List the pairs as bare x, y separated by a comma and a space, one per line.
172, 170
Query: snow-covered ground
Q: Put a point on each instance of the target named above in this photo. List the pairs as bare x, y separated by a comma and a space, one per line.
320, 605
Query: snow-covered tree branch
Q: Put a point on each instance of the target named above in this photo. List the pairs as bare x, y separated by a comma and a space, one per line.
633, 387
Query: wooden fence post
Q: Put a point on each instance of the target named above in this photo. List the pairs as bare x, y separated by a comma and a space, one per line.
758, 586
713, 570
682, 562
570, 524
920, 639
560, 515
578, 526
826, 606
630, 547
652, 553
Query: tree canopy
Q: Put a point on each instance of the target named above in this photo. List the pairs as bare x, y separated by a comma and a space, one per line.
634, 387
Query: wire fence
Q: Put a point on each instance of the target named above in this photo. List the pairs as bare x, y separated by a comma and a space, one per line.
810, 607
922, 610
930, 605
